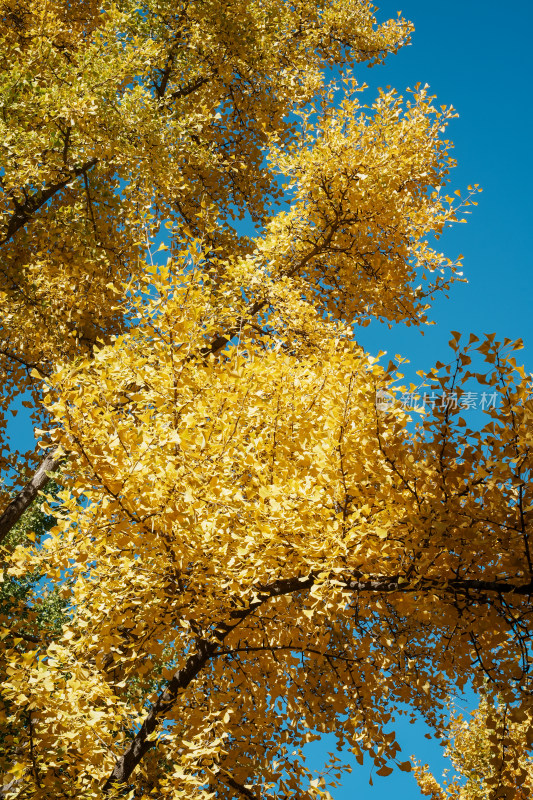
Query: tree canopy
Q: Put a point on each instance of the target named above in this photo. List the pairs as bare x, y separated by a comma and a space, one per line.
242, 548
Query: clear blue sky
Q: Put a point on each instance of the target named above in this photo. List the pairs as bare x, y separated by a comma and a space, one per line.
476, 56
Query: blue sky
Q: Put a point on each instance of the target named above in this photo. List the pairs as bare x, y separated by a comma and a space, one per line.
475, 55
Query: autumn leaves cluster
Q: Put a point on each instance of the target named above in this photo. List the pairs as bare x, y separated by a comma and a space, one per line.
241, 551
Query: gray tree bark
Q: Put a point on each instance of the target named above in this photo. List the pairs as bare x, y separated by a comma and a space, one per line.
27, 495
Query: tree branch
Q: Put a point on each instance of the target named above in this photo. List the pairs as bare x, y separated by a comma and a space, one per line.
182, 678
10, 788
25, 211
207, 648
185, 91
143, 742
225, 777
26, 496
462, 586
220, 341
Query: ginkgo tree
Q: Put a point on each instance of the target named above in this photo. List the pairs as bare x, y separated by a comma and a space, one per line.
249, 549
489, 753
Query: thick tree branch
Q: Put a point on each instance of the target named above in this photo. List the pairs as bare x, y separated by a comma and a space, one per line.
142, 741
207, 648
28, 365
24, 211
182, 678
185, 91
27, 637
458, 586
26, 496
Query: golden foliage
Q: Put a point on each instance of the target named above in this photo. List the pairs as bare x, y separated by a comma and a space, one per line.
252, 551
490, 754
